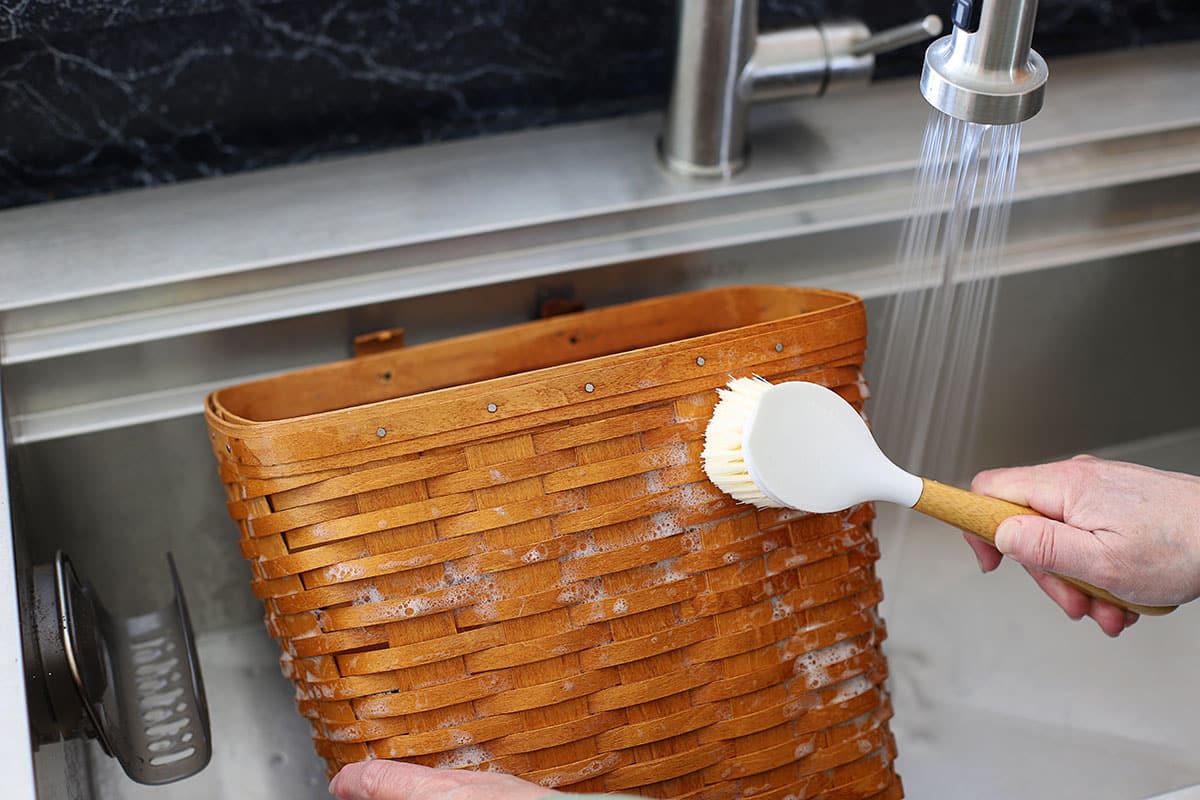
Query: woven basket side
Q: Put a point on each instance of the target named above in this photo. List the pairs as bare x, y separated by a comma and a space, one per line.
569, 599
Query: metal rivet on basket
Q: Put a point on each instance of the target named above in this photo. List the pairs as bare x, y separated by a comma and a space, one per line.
492, 408
587, 387
700, 361
381, 432
779, 347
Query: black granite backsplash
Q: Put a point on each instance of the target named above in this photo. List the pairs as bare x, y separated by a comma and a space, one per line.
97, 95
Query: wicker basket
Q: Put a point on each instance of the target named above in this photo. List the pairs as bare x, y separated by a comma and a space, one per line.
500, 552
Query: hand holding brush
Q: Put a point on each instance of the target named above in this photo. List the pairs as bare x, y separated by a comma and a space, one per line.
800, 445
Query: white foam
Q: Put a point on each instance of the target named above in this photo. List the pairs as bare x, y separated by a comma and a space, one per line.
815, 665
692, 495
670, 573
337, 573
409, 607
662, 524
535, 554
453, 576
858, 685
779, 609
583, 592
369, 594
468, 756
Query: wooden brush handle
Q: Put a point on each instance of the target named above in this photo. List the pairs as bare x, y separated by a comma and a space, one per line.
981, 515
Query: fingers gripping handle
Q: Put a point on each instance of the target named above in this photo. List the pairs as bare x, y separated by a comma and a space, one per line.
981, 515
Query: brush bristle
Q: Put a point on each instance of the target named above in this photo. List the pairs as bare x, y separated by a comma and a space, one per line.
723, 459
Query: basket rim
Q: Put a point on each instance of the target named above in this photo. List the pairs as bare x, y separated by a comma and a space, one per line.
227, 426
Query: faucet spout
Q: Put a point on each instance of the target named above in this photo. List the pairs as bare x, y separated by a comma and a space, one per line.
986, 71
723, 65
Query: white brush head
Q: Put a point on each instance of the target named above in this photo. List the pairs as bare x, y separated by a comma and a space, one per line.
798, 445
723, 457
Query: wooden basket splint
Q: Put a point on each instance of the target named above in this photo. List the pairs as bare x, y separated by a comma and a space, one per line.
500, 552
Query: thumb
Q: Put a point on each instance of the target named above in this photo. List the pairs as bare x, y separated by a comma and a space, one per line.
376, 780
1048, 545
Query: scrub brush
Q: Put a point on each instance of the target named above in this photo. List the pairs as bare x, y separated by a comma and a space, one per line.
800, 445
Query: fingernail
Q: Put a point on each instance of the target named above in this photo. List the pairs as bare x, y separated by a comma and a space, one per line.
1006, 535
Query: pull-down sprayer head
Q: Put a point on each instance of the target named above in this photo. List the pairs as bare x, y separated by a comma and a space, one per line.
985, 71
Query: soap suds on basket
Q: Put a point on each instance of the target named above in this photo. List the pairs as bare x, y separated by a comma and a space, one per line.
694, 494
670, 573
453, 576
370, 594
815, 666
779, 609
468, 756
340, 572
583, 592
584, 546
852, 688
535, 554
662, 524
409, 607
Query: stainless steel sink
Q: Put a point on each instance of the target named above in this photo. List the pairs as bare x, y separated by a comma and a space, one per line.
120, 313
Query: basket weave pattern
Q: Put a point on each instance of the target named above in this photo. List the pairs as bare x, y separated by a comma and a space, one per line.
531, 573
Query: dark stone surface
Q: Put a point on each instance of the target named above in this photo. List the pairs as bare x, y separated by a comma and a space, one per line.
104, 95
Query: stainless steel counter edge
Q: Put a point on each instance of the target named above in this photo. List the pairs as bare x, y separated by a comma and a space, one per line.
16, 746
116, 319
359, 205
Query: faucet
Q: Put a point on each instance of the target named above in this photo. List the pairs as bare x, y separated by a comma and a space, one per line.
723, 65
985, 71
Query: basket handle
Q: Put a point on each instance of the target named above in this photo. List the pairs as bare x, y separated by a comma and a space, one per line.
368, 344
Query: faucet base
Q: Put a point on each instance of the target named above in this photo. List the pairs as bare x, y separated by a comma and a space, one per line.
690, 169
